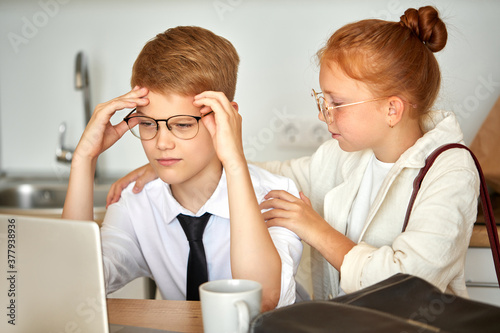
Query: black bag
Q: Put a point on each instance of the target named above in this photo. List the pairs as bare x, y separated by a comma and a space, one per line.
402, 303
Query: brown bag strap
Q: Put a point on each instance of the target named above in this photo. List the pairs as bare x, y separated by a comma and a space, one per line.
489, 218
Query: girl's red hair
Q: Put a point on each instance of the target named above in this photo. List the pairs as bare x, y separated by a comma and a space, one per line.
392, 58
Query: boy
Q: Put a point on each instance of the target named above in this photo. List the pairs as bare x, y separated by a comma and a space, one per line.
184, 80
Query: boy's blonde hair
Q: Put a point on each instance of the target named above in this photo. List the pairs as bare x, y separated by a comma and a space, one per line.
187, 60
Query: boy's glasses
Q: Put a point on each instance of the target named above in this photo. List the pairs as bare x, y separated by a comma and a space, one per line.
184, 127
326, 110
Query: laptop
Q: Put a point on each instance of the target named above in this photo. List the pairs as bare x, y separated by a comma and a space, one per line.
52, 277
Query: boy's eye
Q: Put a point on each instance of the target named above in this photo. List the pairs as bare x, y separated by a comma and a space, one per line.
147, 123
182, 123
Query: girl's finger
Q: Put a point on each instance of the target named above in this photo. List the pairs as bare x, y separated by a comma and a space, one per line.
274, 214
281, 194
305, 199
277, 222
276, 204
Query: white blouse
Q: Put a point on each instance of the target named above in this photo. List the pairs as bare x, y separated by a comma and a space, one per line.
374, 175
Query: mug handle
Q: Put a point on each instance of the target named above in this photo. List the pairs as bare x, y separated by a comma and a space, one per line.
243, 316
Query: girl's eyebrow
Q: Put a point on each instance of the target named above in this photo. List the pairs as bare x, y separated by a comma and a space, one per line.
334, 95
328, 92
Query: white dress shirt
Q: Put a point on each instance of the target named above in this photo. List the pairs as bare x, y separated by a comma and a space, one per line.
141, 236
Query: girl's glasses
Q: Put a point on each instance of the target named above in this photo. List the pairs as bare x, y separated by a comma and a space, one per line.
327, 110
184, 127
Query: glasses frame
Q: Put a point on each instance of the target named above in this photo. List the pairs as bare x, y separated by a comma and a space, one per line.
198, 118
327, 115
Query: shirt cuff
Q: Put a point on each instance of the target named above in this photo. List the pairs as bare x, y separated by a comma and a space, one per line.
351, 271
289, 248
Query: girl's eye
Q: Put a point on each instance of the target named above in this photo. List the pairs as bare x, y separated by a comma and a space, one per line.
331, 101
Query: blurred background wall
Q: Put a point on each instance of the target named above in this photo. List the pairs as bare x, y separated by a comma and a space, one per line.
276, 40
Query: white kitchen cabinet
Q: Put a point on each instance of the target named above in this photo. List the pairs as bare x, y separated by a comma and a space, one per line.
480, 276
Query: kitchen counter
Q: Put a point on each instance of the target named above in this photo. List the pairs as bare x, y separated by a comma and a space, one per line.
42, 195
479, 236
99, 212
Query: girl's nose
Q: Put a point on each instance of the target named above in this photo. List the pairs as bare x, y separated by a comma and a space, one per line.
320, 117
164, 138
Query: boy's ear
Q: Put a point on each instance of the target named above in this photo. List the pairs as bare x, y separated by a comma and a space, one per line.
235, 106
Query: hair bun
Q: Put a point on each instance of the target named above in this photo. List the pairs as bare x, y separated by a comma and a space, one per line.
427, 26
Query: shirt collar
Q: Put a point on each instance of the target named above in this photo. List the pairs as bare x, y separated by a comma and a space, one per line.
217, 204
439, 127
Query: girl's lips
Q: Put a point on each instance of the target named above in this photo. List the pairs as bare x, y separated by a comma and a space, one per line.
167, 161
335, 135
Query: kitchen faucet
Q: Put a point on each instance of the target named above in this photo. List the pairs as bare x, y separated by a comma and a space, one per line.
63, 153
82, 83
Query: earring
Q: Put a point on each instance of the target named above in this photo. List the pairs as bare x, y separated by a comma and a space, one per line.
392, 112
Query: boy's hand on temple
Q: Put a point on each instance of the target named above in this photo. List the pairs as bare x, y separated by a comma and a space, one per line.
253, 253
225, 128
224, 125
100, 134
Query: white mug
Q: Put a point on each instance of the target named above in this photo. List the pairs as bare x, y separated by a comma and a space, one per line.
229, 305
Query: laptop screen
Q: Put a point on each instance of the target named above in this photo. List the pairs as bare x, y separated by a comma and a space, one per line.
52, 276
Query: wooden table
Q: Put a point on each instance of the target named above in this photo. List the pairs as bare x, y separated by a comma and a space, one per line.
479, 236
180, 316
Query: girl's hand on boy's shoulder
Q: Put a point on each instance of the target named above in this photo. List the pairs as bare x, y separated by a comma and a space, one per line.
100, 134
141, 176
288, 211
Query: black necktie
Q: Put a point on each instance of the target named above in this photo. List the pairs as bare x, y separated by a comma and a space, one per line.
197, 272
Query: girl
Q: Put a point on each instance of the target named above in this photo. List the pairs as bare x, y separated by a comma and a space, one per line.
378, 82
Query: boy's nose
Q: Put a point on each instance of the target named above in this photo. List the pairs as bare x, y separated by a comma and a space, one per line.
164, 138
